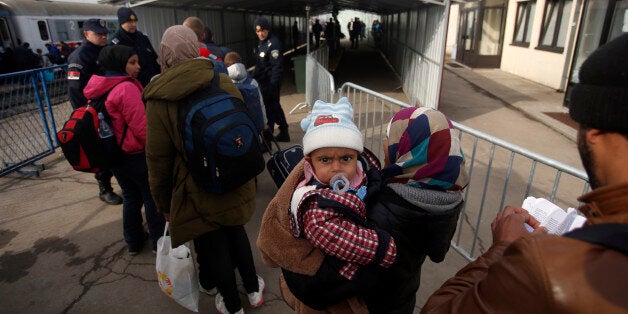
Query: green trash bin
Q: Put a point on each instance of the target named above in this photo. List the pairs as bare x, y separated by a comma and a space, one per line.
299, 72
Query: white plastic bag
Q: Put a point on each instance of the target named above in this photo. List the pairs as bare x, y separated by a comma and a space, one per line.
176, 272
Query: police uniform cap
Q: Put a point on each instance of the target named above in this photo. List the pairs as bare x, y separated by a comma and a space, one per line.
98, 26
261, 23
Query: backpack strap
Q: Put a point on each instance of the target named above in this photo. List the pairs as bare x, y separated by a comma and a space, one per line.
611, 235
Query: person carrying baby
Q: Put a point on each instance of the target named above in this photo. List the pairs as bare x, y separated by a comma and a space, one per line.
328, 205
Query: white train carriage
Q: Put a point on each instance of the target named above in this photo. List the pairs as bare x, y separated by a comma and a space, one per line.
42, 22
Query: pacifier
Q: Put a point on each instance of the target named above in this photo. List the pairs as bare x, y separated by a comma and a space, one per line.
340, 183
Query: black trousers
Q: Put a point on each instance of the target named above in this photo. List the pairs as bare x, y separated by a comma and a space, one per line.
274, 112
218, 253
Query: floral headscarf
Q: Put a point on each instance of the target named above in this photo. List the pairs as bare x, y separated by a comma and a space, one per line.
424, 151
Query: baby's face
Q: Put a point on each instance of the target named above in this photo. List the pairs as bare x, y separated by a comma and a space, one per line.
329, 161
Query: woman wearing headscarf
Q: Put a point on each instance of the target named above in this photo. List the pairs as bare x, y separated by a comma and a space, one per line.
419, 202
124, 105
215, 222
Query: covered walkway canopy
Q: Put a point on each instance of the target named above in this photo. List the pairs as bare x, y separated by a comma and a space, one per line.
288, 7
414, 31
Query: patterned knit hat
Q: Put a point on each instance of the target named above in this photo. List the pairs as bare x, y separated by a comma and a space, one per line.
331, 125
424, 151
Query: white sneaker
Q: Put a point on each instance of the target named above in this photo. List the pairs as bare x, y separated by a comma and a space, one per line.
257, 298
222, 308
211, 291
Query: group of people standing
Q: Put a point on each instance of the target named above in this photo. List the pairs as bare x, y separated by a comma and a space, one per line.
340, 209
142, 88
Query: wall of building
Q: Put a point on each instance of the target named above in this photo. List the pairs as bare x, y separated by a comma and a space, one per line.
541, 66
414, 42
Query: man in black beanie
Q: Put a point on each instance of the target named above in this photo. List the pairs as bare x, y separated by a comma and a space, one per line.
585, 270
128, 35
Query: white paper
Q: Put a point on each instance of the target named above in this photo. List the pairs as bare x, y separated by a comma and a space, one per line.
555, 219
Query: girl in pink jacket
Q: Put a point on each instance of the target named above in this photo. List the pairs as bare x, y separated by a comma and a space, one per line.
124, 105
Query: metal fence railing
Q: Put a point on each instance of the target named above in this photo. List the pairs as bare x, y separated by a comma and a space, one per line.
30, 103
500, 173
319, 83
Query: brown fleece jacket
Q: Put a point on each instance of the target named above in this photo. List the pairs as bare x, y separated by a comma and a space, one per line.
279, 248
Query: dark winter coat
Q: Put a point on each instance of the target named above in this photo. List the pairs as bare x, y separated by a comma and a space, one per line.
422, 222
82, 64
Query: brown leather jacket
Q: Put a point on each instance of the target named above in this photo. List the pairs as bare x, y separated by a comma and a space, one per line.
546, 273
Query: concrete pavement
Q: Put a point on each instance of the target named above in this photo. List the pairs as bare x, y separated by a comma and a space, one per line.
61, 248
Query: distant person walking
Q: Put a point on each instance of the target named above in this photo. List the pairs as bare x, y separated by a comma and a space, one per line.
128, 35
82, 64
355, 33
317, 28
295, 35
330, 36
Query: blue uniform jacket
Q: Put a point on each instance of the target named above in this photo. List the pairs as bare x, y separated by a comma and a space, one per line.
82, 64
269, 66
145, 53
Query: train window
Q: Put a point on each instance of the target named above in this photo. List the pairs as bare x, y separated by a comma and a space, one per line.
5, 36
4, 30
43, 30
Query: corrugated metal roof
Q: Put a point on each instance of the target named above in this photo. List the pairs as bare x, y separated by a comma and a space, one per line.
287, 7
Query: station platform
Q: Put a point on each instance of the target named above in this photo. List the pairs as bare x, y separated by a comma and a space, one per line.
62, 251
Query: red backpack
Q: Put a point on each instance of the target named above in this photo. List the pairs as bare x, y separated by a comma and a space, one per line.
81, 143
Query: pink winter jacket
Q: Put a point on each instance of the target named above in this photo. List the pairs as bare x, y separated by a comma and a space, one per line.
124, 105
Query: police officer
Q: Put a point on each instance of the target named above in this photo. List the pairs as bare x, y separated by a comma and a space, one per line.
128, 35
268, 72
82, 63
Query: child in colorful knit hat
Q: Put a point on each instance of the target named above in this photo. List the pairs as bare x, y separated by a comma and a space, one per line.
327, 206
419, 202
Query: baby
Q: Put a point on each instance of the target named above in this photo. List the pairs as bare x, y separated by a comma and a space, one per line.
327, 206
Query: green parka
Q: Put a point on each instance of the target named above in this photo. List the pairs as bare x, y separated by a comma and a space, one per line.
193, 212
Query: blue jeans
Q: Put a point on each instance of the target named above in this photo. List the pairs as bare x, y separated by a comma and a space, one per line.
132, 175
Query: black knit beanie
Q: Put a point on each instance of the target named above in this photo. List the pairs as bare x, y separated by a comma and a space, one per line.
126, 14
600, 99
114, 58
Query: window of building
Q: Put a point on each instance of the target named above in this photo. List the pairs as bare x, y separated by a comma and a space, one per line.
523, 26
555, 25
43, 30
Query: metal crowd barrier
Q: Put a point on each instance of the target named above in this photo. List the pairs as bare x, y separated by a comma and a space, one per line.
31, 102
319, 83
500, 173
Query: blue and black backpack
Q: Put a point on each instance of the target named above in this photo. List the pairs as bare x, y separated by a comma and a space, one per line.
252, 101
220, 139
